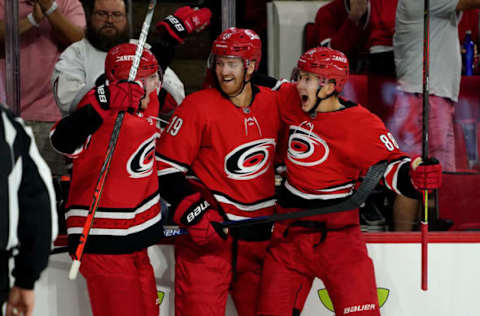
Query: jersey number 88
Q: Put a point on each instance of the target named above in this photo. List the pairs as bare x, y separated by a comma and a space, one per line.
389, 141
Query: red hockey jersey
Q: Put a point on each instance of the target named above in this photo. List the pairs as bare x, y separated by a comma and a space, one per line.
128, 216
328, 153
230, 149
382, 22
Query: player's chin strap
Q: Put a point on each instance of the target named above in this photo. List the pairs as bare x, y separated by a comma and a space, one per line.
217, 85
373, 176
319, 100
244, 84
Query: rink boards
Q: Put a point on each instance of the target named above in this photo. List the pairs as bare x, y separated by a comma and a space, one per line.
454, 279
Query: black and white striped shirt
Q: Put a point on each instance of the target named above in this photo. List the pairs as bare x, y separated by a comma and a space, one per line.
28, 217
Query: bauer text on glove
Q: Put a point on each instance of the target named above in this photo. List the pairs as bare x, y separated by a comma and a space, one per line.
184, 21
196, 214
120, 95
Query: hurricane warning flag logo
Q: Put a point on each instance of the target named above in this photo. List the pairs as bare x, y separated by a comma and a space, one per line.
249, 160
306, 148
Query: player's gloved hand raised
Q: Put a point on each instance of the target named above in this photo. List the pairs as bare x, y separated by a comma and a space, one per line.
425, 175
126, 95
186, 20
195, 214
122, 95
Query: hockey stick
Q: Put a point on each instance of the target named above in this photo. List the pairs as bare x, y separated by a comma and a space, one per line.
97, 194
370, 181
425, 108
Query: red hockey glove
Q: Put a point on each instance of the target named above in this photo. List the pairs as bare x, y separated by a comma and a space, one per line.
120, 95
195, 214
425, 175
184, 21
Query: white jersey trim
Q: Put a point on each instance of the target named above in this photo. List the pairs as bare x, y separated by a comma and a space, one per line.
236, 217
394, 184
326, 43
308, 196
164, 172
14, 180
243, 207
341, 187
116, 231
172, 164
115, 215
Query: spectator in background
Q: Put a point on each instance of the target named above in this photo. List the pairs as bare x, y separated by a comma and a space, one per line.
46, 27
81, 64
337, 28
445, 71
362, 29
469, 22
380, 39
28, 223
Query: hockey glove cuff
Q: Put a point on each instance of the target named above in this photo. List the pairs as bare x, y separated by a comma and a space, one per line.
195, 214
184, 21
425, 175
120, 95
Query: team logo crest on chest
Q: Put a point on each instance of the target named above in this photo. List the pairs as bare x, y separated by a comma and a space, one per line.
250, 160
140, 163
306, 148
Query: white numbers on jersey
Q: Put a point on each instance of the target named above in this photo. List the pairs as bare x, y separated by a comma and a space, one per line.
389, 141
174, 126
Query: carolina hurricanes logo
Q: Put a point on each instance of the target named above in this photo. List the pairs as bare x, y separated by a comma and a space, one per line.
249, 160
140, 164
306, 148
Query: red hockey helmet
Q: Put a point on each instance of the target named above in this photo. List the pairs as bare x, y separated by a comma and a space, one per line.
327, 63
120, 58
236, 42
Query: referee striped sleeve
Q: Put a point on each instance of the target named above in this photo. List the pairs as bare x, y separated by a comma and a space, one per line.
27, 200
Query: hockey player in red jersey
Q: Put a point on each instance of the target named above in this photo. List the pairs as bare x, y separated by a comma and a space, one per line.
226, 138
332, 142
115, 264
